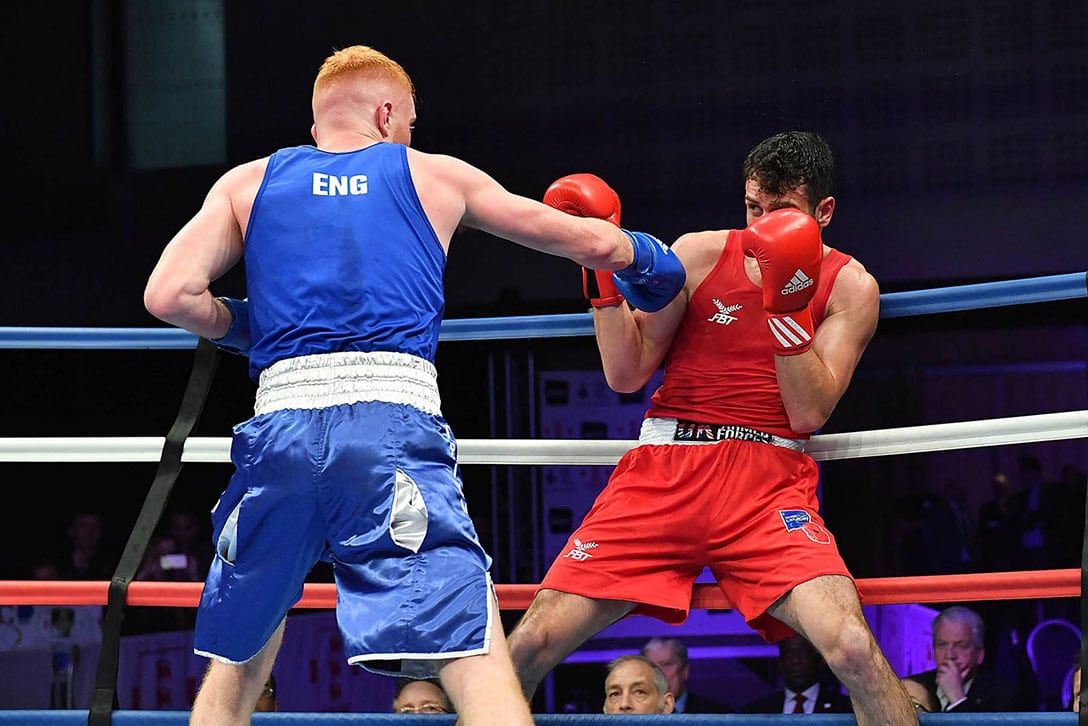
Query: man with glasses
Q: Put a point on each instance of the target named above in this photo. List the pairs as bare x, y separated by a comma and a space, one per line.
960, 683
420, 696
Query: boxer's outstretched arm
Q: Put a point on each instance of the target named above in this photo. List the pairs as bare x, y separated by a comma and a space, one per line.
455, 193
655, 276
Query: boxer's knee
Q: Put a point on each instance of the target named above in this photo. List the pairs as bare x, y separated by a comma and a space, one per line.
531, 637
852, 652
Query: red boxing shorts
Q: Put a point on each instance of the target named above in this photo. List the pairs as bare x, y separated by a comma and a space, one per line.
747, 510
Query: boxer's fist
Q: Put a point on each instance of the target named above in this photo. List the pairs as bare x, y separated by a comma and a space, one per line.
237, 338
654, 278
786, 243
787, 246
584, 195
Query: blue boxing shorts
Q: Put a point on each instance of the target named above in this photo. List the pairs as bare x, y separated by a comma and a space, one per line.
348, 459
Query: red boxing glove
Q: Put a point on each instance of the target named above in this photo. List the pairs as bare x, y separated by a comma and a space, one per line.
587, 195
787, 245
584, 195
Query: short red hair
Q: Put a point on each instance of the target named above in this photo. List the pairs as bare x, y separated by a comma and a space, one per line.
360, 61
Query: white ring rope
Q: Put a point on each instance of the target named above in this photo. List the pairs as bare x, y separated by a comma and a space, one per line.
826, 447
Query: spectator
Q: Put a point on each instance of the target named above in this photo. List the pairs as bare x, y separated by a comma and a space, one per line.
803, 690
998, 544
1037, 503
420, 696
960, 683
922, 697
930, 536
998, 527
635, 685
164, 562
44, 567
267, 702
86, 558
184, 526
963, 518
670, 655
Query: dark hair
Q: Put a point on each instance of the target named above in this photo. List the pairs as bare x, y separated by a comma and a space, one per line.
785, 161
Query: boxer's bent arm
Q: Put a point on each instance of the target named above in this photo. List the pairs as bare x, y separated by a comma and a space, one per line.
491, 208
204, 249
812, 383
633, 344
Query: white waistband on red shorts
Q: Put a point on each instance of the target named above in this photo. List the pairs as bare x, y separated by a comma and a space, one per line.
674, 432
330, 379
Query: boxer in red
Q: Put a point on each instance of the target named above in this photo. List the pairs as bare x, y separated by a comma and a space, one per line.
758, 347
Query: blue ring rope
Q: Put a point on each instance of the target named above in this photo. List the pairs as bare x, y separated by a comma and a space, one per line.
892, 305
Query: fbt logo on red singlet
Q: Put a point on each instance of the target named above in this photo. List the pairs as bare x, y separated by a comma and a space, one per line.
802, 520
724, 316
327, 185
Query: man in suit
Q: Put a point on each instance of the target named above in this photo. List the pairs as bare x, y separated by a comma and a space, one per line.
803, 690
960, 682
671, 656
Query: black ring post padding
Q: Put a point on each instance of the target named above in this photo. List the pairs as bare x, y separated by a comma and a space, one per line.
192, 403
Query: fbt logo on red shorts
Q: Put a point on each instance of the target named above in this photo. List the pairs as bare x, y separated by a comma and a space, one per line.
580, 552
802, 520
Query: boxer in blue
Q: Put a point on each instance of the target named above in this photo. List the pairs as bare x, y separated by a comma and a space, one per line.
347, 456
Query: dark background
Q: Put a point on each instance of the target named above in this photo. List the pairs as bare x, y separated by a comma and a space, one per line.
959, 129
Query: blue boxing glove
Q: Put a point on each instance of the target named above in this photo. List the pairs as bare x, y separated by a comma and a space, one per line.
654, 278
236, 339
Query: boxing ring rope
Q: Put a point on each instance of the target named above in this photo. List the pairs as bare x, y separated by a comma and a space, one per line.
938, 437
1049, 288
586, 452
874, 591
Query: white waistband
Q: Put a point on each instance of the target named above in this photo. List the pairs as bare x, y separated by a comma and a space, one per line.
665, 431
330, 379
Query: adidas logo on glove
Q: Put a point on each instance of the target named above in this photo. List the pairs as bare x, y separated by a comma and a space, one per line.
797, 283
